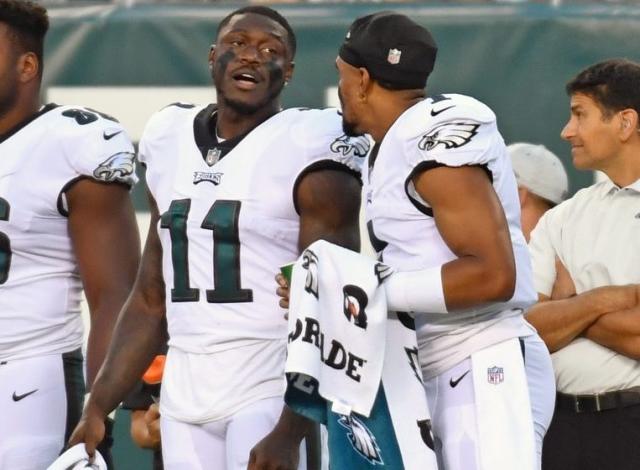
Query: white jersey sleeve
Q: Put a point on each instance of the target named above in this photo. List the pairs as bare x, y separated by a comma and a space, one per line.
99, 147
462, 133
319, 136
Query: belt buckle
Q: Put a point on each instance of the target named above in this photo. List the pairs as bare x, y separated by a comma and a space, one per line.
578, 402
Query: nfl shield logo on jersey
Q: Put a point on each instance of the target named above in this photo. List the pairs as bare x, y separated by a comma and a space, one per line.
394, 56
495, 375
213, 155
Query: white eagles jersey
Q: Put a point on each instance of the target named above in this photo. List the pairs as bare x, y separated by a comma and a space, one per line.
228, 219
40, 286
445, 130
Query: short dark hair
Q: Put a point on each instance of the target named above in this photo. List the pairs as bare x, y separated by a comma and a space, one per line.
28, 23
269, 13
614, 84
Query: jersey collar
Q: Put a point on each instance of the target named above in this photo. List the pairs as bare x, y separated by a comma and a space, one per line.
30, 119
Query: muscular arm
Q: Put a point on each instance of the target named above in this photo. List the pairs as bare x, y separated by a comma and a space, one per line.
619, 331
472, 223
140, 330
104, 233
329, 203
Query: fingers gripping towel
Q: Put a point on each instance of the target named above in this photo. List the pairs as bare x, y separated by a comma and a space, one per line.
76, 458
353, 366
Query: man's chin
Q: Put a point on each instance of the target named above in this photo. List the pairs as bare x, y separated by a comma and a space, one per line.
243, 107
350, 129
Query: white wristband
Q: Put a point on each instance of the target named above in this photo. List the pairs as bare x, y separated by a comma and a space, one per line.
416, 291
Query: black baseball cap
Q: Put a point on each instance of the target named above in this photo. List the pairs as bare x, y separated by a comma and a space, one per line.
394, 49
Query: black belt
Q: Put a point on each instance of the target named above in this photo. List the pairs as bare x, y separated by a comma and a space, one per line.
598, 401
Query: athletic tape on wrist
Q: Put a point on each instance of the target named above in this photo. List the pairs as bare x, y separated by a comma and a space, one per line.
416, 291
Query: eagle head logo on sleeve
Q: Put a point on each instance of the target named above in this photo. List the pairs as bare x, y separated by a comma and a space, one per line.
362, 440
450, 135
351, 146
355, 302
118, 167
310, 263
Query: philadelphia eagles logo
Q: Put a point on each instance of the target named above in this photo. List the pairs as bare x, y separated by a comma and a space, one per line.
351, 146
118, 167
310, 263
450, 135
361, 439
354, 304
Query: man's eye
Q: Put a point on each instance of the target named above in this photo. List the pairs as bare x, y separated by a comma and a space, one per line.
236, 43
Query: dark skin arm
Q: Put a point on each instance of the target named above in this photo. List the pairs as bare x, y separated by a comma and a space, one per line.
104, 233
138, 335
329, 203
472, 223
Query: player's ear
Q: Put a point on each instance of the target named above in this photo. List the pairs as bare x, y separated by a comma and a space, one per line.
365, 81
28, 67
212, 55
288, 73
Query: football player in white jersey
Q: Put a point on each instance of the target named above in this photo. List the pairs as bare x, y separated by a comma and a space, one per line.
66, 222
238, 188
442, 210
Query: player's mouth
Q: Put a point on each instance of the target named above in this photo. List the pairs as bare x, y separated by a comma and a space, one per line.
246, 80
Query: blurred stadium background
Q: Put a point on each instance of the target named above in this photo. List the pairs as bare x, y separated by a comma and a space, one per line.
130, 58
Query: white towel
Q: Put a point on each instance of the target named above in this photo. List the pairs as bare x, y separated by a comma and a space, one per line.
76, 458
353, 366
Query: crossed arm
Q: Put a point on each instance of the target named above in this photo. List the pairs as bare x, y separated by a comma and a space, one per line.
608, 315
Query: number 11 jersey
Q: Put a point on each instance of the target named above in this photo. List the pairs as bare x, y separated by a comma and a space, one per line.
228, 216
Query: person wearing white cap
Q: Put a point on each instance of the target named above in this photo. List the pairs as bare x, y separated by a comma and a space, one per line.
542, 182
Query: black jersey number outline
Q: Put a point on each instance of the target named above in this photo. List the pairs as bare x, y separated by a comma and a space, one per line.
5, 244
222, 220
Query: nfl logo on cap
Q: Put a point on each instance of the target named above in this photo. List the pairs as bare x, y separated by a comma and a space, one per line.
394, 56
495, 375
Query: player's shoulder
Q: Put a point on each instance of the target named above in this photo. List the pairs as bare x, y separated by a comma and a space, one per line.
312, 122
444, 112
167, 118
319, 132
81, 122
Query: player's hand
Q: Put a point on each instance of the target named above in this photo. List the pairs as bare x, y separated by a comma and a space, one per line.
90, 429
282, 291
152, 420
277, 451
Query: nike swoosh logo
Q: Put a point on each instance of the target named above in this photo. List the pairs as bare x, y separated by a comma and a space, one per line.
435, 113
24, 395
110, 136
454, 383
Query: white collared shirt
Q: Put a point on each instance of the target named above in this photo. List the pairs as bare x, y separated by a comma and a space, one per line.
596, 235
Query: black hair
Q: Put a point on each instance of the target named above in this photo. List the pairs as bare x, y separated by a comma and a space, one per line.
28, 22
614, 84
269, 13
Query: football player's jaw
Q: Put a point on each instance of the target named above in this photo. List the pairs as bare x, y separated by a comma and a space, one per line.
345, 94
